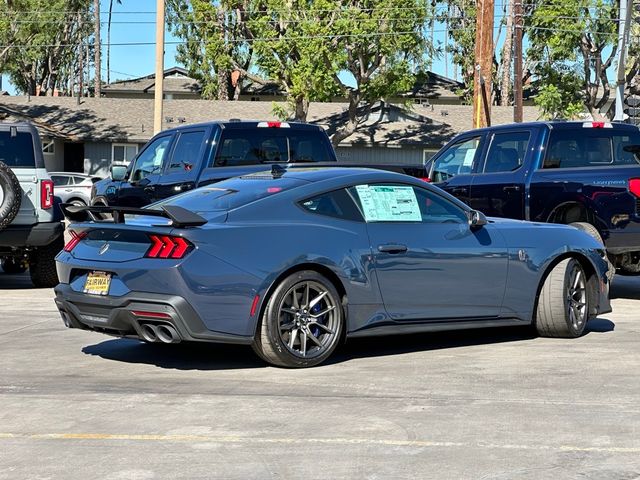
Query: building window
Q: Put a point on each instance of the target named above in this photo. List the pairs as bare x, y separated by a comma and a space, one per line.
48, 146
123, 152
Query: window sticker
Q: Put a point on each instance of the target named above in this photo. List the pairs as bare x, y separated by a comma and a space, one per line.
389, 203
469, 155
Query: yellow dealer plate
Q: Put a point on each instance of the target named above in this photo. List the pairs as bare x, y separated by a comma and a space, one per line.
97, 283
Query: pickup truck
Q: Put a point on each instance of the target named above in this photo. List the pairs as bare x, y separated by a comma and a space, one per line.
31, 228
581, 173
191, 156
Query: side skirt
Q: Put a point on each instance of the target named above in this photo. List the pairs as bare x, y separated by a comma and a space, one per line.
404, 329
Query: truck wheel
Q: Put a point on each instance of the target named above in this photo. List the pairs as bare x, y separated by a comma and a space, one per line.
563, 304
10, 195
593, 231
302, 322
11, 267
42, 265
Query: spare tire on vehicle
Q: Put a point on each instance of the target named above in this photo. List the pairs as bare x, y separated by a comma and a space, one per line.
10, 195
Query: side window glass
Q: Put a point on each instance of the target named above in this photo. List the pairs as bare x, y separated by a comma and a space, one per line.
457, 159
186, 152
571, 149
338, 204
626, 149
60, 181
507, 152
150, 160
405, 203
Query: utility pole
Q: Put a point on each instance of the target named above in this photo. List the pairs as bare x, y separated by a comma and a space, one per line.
517, 65
80, 64
484, 64
98, 47
626, 6
159, 82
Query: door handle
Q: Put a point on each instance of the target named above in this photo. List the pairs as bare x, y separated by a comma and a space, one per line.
511, 188
149, 189
458, 190
392, 248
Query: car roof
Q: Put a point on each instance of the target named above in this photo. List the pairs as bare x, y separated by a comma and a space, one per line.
71, 174
319, 174
552, 124
240, 124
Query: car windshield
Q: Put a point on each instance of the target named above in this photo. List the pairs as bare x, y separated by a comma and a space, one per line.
230, 194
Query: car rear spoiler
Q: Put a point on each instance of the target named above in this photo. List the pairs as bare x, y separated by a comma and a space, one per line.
180, 217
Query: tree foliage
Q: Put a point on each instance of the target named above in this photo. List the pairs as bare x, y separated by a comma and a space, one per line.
41, 39
578, 33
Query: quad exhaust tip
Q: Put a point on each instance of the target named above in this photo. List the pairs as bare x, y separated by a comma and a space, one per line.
162, 333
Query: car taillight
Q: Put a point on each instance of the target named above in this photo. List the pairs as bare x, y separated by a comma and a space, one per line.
46, 194
634, 186
426, 179
273, 125
75, 240
166, 246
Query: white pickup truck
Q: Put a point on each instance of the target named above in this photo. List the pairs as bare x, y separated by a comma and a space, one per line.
31, 229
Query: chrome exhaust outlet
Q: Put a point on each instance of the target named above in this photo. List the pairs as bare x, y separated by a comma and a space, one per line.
167, 334
149, 332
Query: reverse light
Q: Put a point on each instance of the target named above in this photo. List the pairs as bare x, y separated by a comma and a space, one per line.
75, 240
166, 246
46, 194
634, 186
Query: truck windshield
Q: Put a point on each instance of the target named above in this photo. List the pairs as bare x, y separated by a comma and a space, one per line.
17, 151
230, 194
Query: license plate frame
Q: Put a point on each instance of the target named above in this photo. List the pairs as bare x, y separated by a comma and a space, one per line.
97, 283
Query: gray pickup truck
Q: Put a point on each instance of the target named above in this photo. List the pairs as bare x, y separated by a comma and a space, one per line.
31, 229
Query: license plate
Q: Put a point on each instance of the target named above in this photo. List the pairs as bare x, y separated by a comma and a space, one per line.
97, 283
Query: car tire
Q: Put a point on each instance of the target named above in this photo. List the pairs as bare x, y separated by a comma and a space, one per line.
11, 267
563, 303
10, 195
593, 232
42, 265
302, 322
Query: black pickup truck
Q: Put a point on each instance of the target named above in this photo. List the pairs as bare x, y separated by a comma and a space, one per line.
582, 173
191, 156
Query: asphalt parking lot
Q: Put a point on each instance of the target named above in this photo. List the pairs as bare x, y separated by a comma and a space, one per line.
498, 404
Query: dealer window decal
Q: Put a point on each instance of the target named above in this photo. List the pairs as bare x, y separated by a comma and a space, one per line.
389, 203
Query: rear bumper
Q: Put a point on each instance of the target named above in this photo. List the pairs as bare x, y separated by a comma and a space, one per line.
114, 315
36, 235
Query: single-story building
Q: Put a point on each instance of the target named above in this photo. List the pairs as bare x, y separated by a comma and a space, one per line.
88, 135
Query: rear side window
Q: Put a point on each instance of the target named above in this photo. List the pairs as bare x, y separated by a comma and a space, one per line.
456, 160
271, 145
506, 152
591, 148
17, 151
338, 204
187, 151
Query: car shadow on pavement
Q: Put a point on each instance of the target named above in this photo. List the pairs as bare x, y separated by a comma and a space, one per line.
207, 356
182, 356
18, 281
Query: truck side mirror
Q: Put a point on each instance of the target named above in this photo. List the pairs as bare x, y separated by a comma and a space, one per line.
118, 172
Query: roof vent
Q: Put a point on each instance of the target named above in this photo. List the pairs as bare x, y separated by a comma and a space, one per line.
234, 120
168, 119
444, 113
182, 119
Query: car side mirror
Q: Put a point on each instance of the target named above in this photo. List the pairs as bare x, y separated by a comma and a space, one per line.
477, 219
118, 172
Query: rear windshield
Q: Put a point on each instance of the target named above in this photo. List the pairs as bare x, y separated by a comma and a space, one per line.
271, 145
230, 194
17, 151
589, 147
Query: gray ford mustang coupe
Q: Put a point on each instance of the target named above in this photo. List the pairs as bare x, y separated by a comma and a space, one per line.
293, 261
